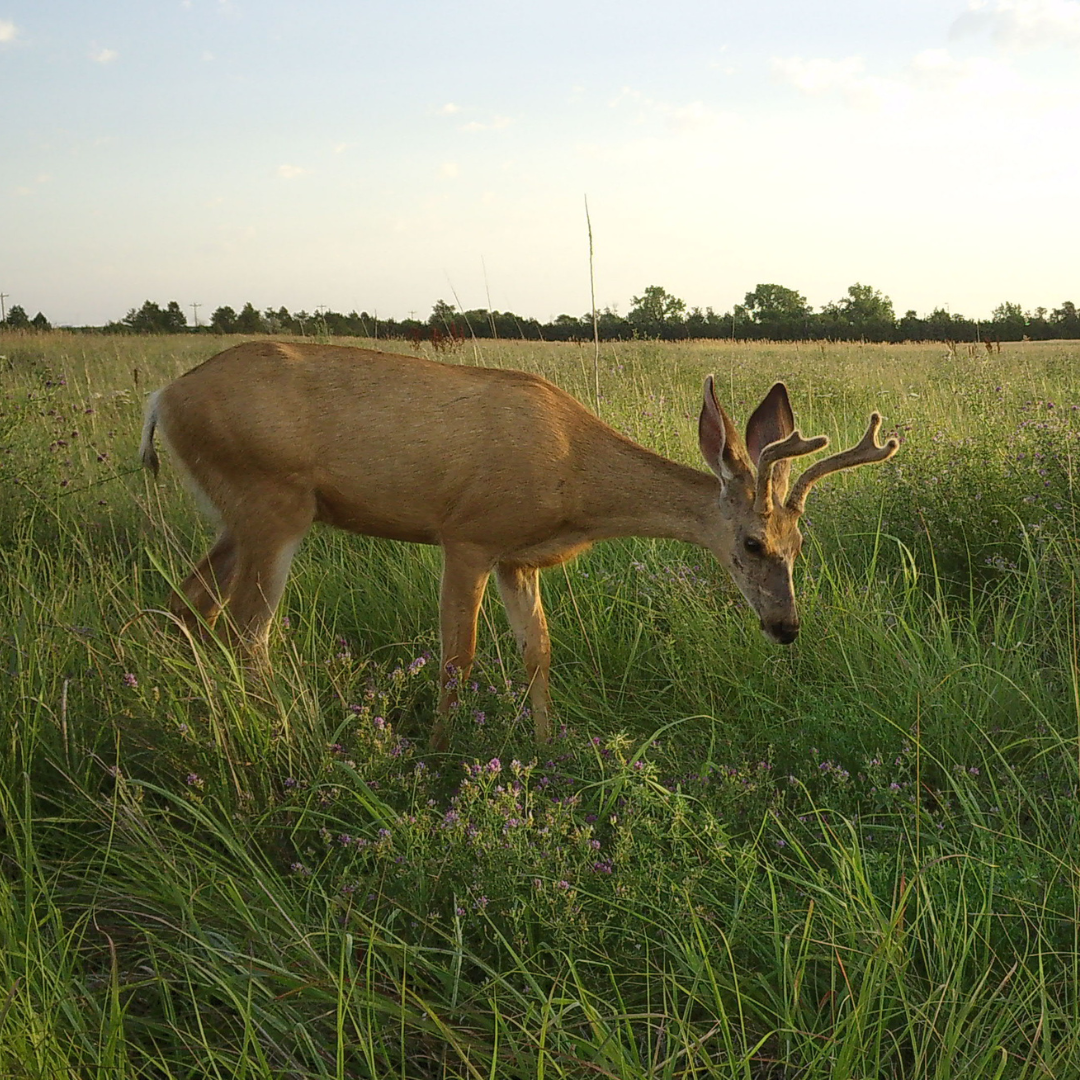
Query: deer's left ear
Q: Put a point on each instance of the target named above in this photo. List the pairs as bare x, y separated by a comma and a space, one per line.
720, 444
771, 421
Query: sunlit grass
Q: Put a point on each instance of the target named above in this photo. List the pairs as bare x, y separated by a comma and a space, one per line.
855, 857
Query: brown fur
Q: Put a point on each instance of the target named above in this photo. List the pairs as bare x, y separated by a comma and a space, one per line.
502, 469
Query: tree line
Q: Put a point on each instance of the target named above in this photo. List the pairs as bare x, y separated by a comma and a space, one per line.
769, 312
17, 319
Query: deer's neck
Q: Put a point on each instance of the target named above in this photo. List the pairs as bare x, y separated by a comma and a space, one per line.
645, 494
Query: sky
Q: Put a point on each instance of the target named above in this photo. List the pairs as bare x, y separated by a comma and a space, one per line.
380, 155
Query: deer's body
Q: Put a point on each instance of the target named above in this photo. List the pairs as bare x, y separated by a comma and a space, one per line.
502, 469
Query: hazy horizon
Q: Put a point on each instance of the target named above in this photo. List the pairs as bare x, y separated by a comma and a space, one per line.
381, 157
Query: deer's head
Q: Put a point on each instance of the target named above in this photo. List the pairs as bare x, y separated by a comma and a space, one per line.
756, 534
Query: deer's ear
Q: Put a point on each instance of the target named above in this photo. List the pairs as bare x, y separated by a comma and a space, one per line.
771, 421
720, 444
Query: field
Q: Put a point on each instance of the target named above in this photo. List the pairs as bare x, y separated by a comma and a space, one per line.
857, 857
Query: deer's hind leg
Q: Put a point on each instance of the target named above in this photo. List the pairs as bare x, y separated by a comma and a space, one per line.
206, 589
519, 587
265, 540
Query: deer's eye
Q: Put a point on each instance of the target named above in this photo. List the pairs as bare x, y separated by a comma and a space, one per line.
753, 545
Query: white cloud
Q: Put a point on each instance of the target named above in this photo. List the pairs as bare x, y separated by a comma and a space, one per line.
694, 116
820, 75
449, 109
27, 189
103, 56
847, 77
291, 172
1022, 25
977, 78
933, 79
449, 170
8, 31
496, 124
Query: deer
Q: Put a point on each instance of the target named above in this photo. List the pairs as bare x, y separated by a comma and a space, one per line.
502, 469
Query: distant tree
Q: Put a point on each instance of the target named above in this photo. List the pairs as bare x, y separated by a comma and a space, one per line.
442, 315
150, 319
278, 322
1038, 327
612, 325
910, 327
941, 326
39, 322
656, 313
145, 320
223, 321
249, 321
17, 318
1009, 322
863, 313
568, 328
174, 321
780, 313
1066, 321
696, 323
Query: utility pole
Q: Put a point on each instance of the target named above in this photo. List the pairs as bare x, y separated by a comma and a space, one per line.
195, 310
3, 314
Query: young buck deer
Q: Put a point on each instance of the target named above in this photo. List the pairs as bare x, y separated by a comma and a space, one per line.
503, 470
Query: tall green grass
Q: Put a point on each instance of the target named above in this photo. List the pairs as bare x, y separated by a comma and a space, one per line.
856, 857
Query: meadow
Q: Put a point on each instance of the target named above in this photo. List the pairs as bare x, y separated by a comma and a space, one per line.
856, 857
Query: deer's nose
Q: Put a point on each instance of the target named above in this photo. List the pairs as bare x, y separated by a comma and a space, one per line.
782, 631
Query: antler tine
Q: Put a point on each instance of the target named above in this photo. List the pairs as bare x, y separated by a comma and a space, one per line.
776, 452
865, 452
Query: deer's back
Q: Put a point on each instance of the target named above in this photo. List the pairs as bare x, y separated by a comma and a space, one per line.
391, 445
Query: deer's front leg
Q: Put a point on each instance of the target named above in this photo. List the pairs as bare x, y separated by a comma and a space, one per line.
519, 587
465, 575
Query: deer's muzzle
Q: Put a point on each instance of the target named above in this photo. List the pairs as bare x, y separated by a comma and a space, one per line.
782, 631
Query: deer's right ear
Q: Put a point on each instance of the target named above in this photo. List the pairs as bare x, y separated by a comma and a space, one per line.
717, 437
